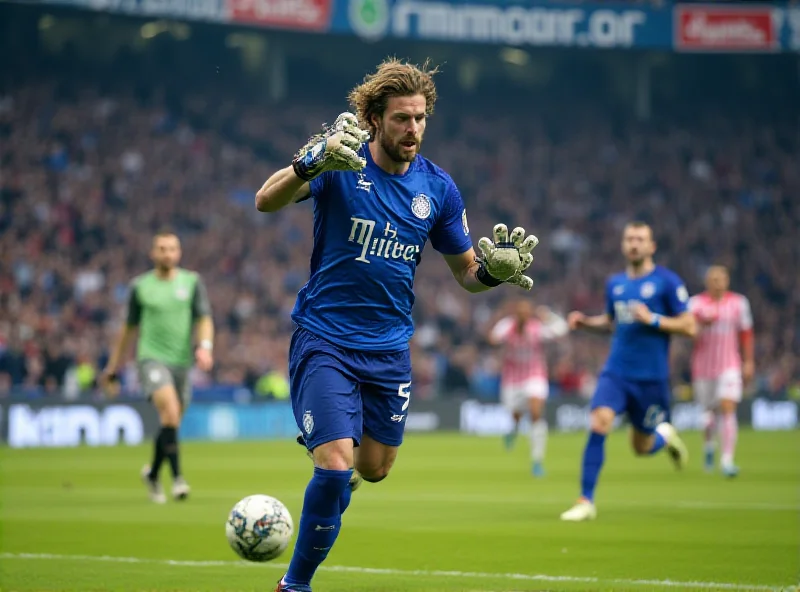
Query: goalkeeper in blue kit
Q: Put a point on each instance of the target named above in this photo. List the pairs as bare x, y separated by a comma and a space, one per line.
376, 203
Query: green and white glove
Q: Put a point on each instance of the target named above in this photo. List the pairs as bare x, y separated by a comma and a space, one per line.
335, 149
505, 259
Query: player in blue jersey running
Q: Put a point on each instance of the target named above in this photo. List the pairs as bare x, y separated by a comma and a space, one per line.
376, 203
644, 305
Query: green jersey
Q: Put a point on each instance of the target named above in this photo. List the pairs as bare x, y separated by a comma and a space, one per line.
165, 312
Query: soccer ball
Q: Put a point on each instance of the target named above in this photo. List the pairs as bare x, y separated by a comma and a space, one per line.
259, 528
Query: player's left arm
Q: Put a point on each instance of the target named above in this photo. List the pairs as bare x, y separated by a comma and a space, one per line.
747, 341
679, 320
503, 261
466, 268
204, 326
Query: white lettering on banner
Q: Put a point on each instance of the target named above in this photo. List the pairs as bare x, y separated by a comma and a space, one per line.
294, 10
477, 418
574, 418
70, 425
712, 33
571, 418
774, 415
687, 416
422, 421
516, 25
196, 9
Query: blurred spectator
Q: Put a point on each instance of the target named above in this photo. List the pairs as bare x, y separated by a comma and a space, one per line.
86, 180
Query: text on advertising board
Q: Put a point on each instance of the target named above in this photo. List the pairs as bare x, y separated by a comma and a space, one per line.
495, 23
71, 425
310, 15
727, 28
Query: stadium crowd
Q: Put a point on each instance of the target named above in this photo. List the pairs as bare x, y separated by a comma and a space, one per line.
85, 181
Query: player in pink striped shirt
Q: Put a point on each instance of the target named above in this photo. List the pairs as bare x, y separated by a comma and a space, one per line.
718, 369
523, 381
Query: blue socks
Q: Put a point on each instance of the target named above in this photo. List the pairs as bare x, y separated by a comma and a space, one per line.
327, 496
658, 443
344, 499
592, 463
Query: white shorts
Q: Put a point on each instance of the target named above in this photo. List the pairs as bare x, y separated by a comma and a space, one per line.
514, 397
727, 386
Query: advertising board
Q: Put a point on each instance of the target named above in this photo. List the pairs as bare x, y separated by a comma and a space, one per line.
728, 28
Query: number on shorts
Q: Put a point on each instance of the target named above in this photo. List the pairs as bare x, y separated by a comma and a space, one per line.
653, 416
405, 392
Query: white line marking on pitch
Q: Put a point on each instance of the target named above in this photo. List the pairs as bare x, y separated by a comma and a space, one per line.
397, 572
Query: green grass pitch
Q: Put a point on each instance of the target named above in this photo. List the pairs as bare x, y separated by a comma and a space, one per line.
457, 513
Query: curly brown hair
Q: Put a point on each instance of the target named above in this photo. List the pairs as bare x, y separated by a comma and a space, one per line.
393, 78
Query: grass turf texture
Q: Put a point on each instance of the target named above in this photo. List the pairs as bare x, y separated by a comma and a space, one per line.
453, 503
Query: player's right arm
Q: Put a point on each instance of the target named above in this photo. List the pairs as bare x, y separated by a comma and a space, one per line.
280, 190
125, 336
602, 323
747, 340
336, 149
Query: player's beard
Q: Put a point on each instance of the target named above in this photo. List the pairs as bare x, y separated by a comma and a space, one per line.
636, 260
395, 151
165, 267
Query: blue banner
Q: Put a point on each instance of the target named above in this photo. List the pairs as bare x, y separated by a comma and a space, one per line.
713, 27
507, 23
228, 422
757, 27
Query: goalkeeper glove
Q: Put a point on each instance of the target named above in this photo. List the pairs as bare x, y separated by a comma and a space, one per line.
505, 260
335, 149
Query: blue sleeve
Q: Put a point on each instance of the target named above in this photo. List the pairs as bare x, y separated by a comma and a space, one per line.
450, 233
319, 185
677, 296
609, 300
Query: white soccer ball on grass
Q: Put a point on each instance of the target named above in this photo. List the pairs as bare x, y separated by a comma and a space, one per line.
259, 528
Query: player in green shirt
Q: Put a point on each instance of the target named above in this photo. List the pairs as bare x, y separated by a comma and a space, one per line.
165, 305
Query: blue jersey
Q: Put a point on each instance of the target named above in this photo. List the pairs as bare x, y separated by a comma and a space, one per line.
638, 351
370, 229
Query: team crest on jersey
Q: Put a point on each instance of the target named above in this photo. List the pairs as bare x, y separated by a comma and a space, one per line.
308, 422
682, 293
648, 289
619, 290
363, 184
464, 224
421, 206
181, 293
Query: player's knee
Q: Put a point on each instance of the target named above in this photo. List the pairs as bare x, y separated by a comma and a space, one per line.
334, 456
170, 415
375, 475
601, 420
374, 469
170, 420
641, 442
168, 406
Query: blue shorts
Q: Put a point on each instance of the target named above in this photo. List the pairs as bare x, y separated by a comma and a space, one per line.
342, 393
645, 401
